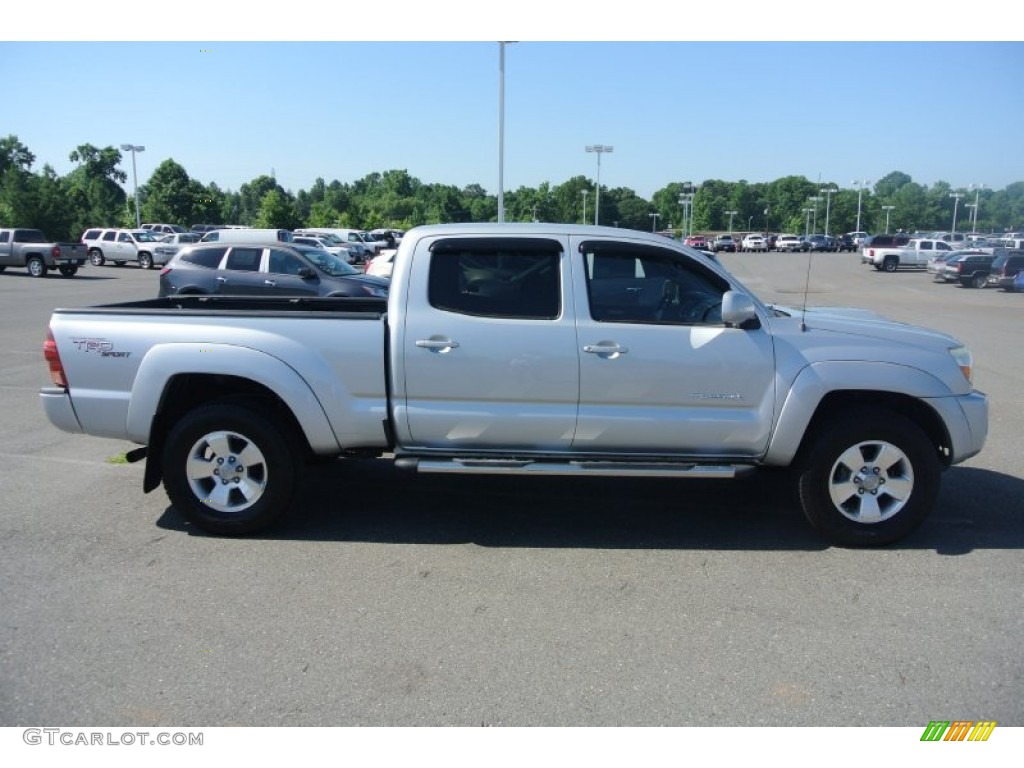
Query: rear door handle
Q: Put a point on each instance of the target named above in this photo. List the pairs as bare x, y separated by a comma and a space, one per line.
437, 344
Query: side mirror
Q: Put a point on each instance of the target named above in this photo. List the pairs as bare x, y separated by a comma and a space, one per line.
737, 309
306, 273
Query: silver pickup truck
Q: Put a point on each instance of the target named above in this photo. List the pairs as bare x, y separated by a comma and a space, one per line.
531, 349
31, 249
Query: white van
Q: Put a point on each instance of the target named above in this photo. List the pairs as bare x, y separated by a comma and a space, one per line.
248, 236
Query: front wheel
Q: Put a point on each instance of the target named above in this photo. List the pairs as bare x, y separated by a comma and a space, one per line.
68, 270
229, 469
145, 261
36, 266
869, 478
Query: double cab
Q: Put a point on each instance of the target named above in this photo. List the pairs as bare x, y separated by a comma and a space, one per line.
525, 349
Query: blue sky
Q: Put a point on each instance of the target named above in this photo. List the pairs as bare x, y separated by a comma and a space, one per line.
673, 111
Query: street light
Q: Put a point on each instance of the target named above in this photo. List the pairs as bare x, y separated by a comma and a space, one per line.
585, 193
654, 220
686, 200
501, 129
599, 149
807, 221
730, 214
956, 204
829, 191
977, 192
887, 208
749, 219
814, 216
860, 184
135, 178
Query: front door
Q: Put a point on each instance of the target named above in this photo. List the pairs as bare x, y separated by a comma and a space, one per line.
660, 373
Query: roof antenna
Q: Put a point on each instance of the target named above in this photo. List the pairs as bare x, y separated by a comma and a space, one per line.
807, 283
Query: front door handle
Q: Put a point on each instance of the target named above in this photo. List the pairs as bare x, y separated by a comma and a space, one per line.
609, 349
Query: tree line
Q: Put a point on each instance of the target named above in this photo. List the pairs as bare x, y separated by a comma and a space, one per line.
92, 195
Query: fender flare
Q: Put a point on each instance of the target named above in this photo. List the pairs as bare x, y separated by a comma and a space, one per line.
818, 380
165, 361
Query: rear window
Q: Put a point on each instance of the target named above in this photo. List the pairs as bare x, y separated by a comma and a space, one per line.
204, 257
244, 259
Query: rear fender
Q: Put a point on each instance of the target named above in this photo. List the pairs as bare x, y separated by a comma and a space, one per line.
165, 361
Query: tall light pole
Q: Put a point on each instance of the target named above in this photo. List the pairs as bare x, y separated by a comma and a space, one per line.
686, 200
814, 216
730, 214
887, 208
956, 204
501, 129
829, 191
135, 178
600, 149
977, 192
860, 184
585, 193
807, 221
654, 220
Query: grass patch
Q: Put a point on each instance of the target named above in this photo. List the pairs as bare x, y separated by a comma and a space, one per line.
121, 458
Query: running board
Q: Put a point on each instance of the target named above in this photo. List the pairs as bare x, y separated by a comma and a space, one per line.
485, 466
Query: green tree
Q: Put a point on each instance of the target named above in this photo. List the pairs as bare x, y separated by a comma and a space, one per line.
95, 187
170, 195
276, 212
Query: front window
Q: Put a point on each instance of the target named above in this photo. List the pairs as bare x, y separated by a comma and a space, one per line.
328, 263
641, 284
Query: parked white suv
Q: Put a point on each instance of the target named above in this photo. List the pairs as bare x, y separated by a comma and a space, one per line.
120, 246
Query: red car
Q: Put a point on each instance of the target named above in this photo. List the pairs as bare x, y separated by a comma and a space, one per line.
698, 241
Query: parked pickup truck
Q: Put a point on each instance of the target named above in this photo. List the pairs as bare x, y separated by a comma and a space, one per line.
916, 253
31, 249
527, 349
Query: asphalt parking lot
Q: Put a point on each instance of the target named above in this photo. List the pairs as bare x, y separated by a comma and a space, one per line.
397, 600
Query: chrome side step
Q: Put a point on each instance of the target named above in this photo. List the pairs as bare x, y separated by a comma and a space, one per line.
486, 466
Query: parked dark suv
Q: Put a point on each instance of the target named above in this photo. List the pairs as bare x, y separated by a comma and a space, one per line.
1005, 267
972, 270
264, 269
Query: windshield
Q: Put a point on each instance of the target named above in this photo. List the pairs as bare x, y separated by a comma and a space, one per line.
329, 263
145, 236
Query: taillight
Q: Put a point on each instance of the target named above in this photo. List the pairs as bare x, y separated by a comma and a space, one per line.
53, 359
55, 252
165, 271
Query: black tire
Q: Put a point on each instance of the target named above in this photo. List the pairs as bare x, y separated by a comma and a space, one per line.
119, 263
2, 268
96, 257
145, 261
890, 264
224, 436
883, 499
68, 270
36, 266
979, 281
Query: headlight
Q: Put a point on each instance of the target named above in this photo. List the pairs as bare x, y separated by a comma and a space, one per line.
963, 358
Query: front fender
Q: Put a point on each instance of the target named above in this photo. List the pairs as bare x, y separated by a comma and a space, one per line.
816, 381
165, 361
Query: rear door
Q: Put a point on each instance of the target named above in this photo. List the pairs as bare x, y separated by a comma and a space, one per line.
488, 351
241, 274
660, 373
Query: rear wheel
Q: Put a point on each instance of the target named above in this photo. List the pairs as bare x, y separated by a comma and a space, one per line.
229, 469
890, 264
979, 281
68, 270
869, 478
96, 257
36, 266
